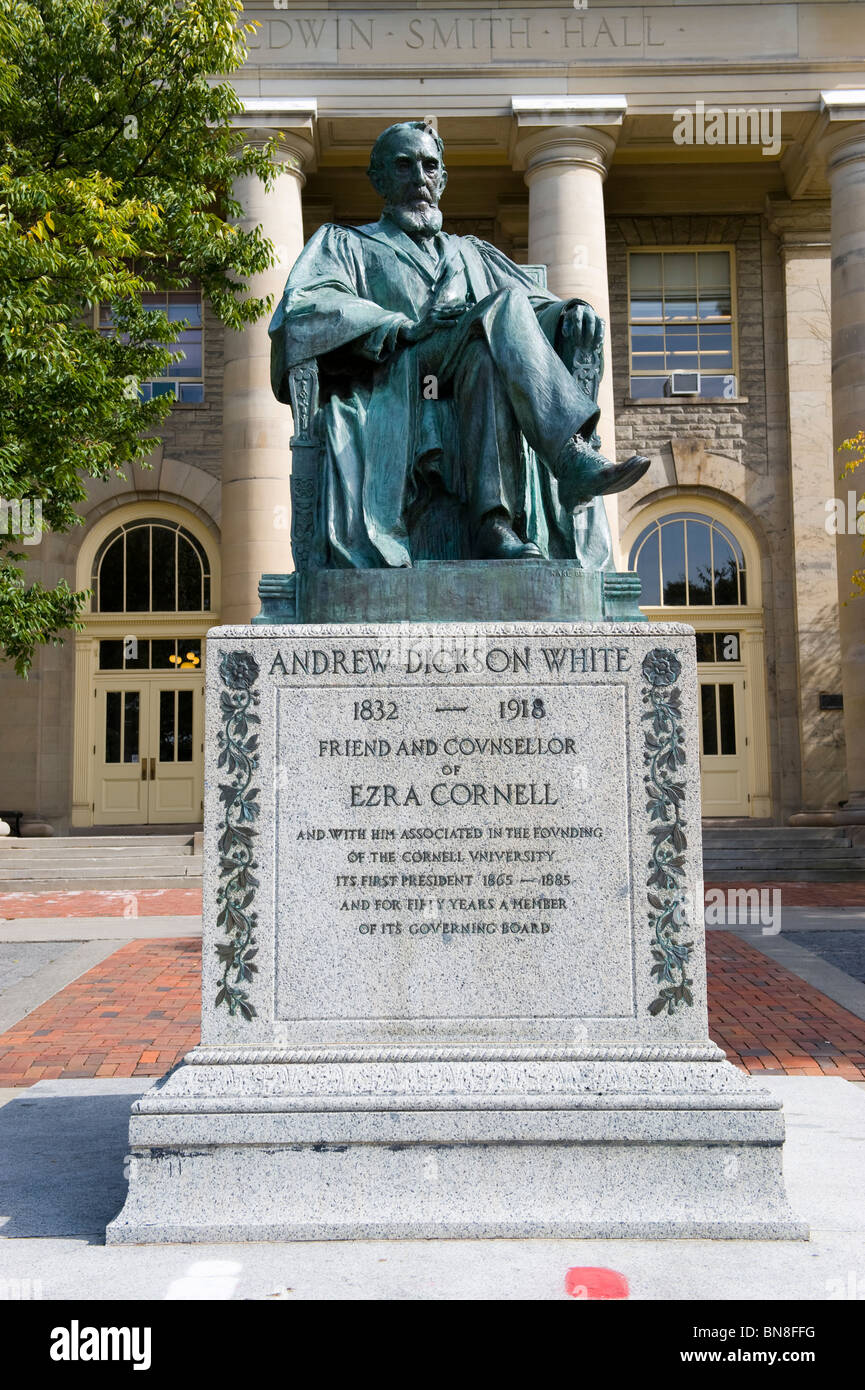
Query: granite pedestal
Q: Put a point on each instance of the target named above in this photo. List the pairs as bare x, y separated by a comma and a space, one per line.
454, 974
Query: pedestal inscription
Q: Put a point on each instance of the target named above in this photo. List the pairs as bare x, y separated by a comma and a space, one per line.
454, 971
452, 837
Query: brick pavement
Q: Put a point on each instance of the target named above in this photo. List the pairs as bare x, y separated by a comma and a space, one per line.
102, 902
134, 1014
185, 902
137, 1013
768, 1020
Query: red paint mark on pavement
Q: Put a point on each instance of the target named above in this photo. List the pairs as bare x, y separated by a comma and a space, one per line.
595, 1283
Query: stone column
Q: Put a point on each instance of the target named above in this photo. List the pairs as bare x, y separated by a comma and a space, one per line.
256, 511
564, 145
803, 232
844, 144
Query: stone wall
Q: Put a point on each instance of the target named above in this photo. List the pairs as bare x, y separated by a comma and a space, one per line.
736, 451
193, 433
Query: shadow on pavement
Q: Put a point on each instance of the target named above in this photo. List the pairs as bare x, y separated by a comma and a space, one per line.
63, 1161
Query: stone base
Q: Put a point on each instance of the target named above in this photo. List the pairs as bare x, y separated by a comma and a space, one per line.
446, 591
632, 1142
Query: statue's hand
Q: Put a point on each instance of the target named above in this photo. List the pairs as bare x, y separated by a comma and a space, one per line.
585, 328
433, 321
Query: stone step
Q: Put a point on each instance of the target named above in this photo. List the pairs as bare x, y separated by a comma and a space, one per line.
177, 866
109, 883
811, 854
101, 844
47, 861
775, 875
765, 835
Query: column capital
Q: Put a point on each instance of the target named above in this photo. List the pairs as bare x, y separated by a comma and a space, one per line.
294, 120
842, 134
572, 130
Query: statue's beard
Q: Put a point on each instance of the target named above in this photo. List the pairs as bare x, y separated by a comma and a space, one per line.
421, 219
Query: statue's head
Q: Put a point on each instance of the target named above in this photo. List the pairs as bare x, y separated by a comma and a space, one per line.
406, 167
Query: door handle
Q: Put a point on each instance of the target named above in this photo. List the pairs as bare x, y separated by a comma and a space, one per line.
153, 769
144, 769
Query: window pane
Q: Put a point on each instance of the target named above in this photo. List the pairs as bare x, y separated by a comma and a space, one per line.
645, 272
729, 648
189, 652
682, 345
699, 563
188, 577
647, 569
714, 272
647, 348
726, 569
183, 305
190, 365
138, 570
647, 387
716, 347
112, 726
138, 658
164, 569
714, 269
705, 646
673, 557
184, 726
166, 726
191, 392
715, 387
130, 726
728, 719
164, 648
111, 656
709, 720
111, 579
680, 286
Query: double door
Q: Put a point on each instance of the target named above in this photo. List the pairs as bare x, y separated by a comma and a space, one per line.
149, 750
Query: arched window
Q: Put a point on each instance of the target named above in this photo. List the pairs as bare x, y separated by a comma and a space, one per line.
151, 566
689, 560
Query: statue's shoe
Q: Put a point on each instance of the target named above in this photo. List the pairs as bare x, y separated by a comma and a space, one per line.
497, 541
583, 473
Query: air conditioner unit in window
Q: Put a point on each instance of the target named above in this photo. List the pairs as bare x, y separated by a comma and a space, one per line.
682, 384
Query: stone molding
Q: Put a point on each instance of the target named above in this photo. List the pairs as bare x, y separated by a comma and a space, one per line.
293, 120
253, 1056
571, 131
802, 227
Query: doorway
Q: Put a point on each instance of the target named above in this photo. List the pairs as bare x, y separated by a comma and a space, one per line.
139, 699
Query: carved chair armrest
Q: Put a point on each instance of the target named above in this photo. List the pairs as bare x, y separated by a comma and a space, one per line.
305, 462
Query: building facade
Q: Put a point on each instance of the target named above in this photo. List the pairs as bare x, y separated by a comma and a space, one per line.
695, 171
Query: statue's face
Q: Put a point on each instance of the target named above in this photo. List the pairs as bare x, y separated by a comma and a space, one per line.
412, 175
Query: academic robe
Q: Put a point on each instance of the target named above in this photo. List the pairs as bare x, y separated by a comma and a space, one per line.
385, 444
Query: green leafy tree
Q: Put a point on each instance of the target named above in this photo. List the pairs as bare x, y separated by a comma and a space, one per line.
117, 155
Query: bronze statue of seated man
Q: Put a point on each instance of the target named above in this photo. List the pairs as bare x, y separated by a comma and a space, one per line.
455, 420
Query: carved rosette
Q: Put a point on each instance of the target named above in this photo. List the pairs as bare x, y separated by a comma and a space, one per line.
664, 755
238, 743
